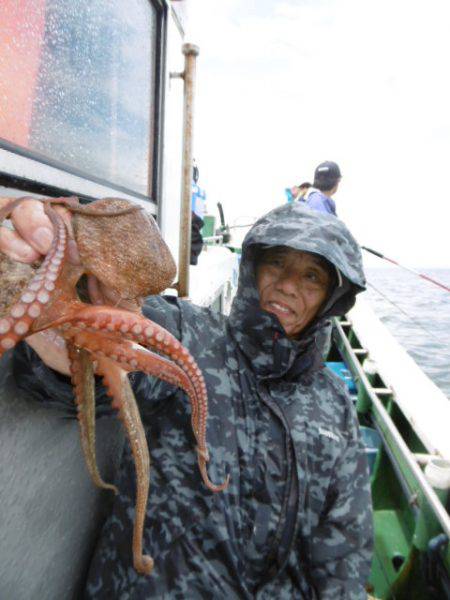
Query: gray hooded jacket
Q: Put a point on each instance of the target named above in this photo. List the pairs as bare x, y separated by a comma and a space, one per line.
296, 519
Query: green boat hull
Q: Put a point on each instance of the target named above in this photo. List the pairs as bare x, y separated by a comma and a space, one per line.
412, 558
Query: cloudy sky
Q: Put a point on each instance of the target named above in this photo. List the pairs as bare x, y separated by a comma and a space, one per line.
286, 84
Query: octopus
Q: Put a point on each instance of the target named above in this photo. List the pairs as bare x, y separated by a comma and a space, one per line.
119, 244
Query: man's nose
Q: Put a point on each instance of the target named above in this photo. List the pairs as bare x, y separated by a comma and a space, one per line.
288, 282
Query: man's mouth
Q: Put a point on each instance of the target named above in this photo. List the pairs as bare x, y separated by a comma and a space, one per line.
279, 308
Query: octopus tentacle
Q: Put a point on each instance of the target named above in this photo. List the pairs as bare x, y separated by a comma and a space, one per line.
37, 295
119, 388
137, 328
72, 204
82, 375
131, 357
203, 458
84, 209
128, 355
8, 208
114, 358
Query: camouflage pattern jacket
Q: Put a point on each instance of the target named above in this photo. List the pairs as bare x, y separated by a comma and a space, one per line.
296, 519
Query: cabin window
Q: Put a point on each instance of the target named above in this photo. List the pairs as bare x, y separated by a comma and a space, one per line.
79, 86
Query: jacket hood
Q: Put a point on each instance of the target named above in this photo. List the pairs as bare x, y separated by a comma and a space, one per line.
258, 333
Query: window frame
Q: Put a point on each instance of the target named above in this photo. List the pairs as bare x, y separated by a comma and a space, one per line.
31, 171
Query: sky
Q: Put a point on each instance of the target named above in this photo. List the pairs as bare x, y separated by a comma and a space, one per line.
283, 85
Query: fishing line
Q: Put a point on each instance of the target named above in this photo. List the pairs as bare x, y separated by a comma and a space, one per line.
405, 313
394, 262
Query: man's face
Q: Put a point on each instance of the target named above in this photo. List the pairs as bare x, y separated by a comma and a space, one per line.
292, 285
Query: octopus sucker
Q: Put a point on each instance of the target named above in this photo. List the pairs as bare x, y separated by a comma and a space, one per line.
5, 325
28, 297
7, 343
18, 311
111, 237
49, 286
21, 327
43, 297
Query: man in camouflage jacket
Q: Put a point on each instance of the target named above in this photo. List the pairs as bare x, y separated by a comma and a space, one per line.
295, 521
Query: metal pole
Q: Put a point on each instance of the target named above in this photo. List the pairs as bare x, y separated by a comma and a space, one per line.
190, 52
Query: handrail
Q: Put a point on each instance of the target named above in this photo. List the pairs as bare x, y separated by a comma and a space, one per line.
213, 238
425, 487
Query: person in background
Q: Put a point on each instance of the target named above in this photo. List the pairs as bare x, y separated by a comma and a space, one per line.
327, 177
302, 190
297, 192
198, 194
319, 197
198, 212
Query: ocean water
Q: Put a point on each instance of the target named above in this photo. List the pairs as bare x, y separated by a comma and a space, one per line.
418, 315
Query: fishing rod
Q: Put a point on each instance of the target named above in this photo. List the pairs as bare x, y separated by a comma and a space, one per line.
422, 275
399, 308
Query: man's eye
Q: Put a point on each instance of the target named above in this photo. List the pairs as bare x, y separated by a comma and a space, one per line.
312, 276
316, 278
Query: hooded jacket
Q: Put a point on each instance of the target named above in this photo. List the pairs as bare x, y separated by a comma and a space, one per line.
295, 521
319, 201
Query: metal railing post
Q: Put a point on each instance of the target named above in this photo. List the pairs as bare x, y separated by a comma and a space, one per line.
190, 52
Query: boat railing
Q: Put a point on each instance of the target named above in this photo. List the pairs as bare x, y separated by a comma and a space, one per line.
387, 426
213, 239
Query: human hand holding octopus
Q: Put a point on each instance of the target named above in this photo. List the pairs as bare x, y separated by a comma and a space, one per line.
116, 247
26, 243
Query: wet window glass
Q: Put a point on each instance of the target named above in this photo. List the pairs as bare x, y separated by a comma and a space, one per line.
77, 84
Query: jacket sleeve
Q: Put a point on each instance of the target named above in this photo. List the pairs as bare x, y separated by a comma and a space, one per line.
44, 385
341, 544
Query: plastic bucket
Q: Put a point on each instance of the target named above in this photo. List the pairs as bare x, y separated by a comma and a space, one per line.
340, 369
